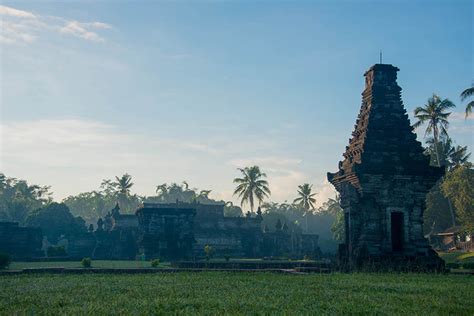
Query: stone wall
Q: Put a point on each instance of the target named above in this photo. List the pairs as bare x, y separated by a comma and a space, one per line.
166, 233
20, 242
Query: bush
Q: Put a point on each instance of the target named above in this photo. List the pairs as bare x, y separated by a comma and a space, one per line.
227, 258
468, 265
155, 263
209, 252
453, 265
86, 262
56, 251
4, 261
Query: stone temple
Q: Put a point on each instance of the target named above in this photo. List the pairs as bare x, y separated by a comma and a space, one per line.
383, 180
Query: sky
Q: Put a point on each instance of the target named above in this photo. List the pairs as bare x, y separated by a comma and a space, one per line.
172, 91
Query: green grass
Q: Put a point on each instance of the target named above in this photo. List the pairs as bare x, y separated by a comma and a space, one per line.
449, 257
237, 293
77, 264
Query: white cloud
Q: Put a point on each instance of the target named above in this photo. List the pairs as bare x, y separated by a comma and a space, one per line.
74, 155
22, 27
325, 191
15, 33
99, 25
7, 11
79, 30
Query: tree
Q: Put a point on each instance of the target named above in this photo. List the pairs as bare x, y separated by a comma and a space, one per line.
469, 92
123, 184
251, 186
458, 186
333, 207
120, 189
18, 198
449, 155
56, 220
305, 197
434, 114
95, 204
437, 216
458, 156
305, 200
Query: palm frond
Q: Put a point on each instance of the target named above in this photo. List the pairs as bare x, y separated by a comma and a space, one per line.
467, 93
469, 107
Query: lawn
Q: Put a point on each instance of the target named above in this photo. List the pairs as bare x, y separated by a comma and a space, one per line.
237, 293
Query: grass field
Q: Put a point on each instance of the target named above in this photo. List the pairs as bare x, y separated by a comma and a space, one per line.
237, 293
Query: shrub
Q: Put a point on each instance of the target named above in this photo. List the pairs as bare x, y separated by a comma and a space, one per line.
227, 258
468, 265
155, 263
306, 258
56, 251
452, 265
209, 252
4, 261
86, 262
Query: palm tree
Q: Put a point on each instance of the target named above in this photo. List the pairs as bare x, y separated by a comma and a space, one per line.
469, 92
305, 197
434, 114
251, 186
305, 200
458, 156
123, 184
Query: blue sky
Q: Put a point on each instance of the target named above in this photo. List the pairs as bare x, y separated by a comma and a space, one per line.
173, 91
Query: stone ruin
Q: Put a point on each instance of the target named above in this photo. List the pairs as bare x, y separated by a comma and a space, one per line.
20, 242
181, 231
168, 231
383, 181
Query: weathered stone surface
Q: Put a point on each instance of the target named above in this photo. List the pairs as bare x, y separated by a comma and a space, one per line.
384, 177
166, 232
20, 242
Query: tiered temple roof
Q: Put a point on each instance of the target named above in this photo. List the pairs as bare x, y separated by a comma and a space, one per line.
383, 141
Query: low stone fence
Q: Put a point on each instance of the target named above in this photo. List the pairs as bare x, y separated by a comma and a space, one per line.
135, 271
249, 265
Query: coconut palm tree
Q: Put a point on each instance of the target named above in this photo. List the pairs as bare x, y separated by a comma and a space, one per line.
306, 200
305, 197
434, 114
458, 156
251, 186
123, 184
469, 92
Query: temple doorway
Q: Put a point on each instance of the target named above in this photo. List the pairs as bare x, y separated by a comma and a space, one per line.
397, 231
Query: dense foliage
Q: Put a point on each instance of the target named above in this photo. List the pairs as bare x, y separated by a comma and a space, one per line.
458, 186
55, 221
18, 198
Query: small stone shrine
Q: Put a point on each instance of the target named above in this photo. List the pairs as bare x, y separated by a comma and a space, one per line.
383, 181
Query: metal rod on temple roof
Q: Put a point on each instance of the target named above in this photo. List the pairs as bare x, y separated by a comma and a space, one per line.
380, 56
